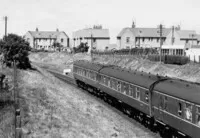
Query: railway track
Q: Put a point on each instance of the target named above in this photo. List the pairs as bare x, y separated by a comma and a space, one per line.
71, 81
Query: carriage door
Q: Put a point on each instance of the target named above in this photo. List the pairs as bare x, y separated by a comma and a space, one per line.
161, 107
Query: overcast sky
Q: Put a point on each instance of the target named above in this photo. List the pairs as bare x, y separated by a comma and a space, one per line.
72, 15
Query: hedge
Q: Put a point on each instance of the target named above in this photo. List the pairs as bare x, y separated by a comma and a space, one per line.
170, 59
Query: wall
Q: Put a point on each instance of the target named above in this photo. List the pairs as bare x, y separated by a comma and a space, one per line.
122, 42
193, 53
29, 38
65, 42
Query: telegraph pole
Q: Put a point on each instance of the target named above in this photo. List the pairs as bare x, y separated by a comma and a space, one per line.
161, 29
91, 47
6, 19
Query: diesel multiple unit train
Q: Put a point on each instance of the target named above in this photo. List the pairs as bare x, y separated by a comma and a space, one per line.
167, 105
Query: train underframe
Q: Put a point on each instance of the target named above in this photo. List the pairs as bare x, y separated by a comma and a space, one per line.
149, 122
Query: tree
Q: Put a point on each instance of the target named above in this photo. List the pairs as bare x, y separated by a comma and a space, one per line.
58, 46
83, 47
15, 48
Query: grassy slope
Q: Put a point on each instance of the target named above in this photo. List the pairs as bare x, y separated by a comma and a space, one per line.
54, 108
60, 61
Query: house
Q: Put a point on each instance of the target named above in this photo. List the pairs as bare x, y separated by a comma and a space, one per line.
45, 39
95, 37
194, 53
172, 38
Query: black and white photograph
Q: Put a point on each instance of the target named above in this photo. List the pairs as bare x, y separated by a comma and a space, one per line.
99, 69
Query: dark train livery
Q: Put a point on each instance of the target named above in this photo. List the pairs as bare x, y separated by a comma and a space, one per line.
170, 105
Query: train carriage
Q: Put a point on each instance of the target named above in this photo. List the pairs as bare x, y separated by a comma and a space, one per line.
176, 103
172, 104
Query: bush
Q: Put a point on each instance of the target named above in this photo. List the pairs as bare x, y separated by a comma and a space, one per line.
133, 51
15, 48
81, 48
170, 59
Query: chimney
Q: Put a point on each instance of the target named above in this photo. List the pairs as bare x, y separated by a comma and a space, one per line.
57, 30
133, 24
36, 29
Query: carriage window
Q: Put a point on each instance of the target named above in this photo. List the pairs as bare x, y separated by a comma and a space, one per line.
108, 84
124, 88
137, 89
104, 80
131, 90
179, 109
198, 116
116, 84
165, 103
147, 96
188, 112
119, 86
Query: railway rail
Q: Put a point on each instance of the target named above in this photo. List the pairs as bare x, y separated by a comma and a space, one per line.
106, 102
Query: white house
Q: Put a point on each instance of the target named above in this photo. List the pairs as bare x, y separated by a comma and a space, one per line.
45, 39
172, 38
97, 37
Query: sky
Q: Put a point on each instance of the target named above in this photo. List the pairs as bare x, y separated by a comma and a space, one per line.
72, 15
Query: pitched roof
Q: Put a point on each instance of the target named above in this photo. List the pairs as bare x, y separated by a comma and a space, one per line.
146, 32
99, 33
187, 34
45, 34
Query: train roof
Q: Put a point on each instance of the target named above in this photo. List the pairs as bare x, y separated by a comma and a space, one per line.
180, 89
138, 78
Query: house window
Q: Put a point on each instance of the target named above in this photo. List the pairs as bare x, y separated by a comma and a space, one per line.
157, 39
198, 116
188, 112
61, 40
127, 39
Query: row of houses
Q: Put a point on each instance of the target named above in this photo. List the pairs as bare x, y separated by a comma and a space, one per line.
174, 40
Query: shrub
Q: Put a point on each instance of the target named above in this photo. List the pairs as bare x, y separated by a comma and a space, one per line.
15, 48
170, 59
81, 48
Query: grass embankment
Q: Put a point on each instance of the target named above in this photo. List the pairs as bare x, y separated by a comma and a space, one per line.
53, 108
6, 106
60, 61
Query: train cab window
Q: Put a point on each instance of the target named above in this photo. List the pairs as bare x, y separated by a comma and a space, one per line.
137, 89
198, 116
119, 86
179, 109
147, 96
188, 112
